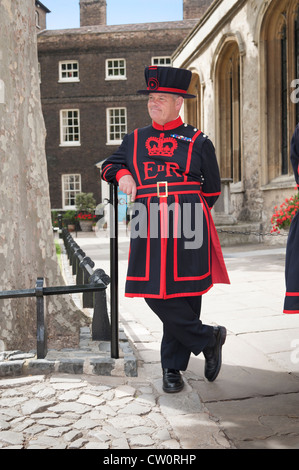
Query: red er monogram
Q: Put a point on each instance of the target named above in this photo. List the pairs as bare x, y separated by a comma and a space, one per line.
162, 146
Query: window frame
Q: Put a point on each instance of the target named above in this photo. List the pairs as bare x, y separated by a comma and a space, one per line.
69, 143
229, 114
64, 189
71, 79
115, 77
108, 125
276, 132
160, 59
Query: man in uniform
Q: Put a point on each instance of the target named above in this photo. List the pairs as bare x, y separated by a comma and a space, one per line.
291, 300
170, 169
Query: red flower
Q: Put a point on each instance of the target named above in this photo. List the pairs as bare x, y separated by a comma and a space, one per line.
283, 215
82, 216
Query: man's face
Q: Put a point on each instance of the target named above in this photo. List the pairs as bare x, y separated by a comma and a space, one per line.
164, 107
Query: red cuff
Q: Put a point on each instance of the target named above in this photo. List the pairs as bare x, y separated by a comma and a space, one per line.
121, 173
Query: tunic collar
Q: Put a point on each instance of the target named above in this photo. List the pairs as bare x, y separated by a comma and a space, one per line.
169, 125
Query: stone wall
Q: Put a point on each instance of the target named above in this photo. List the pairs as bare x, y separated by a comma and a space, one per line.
253, 198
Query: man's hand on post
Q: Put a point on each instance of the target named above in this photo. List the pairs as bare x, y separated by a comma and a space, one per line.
128, 186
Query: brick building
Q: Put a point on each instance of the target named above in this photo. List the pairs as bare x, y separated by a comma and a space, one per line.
40, 15
89, 79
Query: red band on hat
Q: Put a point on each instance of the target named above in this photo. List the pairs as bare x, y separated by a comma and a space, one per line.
170, 90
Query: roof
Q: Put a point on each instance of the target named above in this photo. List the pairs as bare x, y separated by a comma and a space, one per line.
38, 3
102, 29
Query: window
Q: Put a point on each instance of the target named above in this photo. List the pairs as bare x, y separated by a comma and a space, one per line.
284, 104
229, 112
36, 19
70, 127
39, 72
69, 71
279, 59
71, 186
166, 61
116, 125
116, 69
193, 107
2, 92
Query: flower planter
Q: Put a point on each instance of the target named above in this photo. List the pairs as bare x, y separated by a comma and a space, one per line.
86, 225
71, 227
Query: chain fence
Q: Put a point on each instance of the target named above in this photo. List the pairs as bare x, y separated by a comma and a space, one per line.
249, 232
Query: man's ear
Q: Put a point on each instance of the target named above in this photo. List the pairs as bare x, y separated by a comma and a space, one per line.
179, 102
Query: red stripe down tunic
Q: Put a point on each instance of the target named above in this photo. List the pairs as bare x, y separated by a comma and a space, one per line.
174, 246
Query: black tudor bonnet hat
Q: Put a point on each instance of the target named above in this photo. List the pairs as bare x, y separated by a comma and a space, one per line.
167, 80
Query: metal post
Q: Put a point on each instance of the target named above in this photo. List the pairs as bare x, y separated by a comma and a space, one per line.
59, 217
41, 326
114, 270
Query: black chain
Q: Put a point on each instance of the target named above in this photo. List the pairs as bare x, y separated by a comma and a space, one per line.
260, 234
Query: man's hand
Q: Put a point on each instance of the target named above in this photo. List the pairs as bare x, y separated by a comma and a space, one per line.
128, 186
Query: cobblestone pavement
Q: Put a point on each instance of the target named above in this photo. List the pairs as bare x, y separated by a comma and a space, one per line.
70, 412
253, 404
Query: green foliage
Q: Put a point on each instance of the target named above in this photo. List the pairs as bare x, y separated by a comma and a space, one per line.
69, 217
85, 202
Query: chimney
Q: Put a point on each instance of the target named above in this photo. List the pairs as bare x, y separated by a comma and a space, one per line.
93, 12
195, 8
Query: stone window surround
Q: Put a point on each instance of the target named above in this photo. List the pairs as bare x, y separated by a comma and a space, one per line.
72, 71
64, 142
118, 65
161, 61
278, 15
66, 189
111, 114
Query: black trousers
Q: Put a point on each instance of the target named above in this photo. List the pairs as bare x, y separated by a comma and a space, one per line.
183, 331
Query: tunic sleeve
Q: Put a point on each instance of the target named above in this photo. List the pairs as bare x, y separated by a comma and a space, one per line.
212, 184
295, 154
116, 165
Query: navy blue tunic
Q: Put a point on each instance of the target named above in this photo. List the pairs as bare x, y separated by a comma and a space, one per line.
291, 302
177, 176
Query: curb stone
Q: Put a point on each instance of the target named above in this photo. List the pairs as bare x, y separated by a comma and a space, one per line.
92, 357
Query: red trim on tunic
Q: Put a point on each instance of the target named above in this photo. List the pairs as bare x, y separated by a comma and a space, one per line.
219, 272
135, 156
189, 156
169, 125
148, 255
170, 296
164, 233
105, 171
122, 173
175, 254
211, 194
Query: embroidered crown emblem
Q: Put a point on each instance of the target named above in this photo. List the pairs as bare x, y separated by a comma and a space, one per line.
161, 146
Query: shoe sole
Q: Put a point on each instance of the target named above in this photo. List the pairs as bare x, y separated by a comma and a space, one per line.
173, 390
222, 332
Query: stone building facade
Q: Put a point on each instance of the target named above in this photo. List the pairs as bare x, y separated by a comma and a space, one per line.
89, 81
40, 15
244, 55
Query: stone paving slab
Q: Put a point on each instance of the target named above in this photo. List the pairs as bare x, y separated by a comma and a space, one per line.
253, 404
87, 412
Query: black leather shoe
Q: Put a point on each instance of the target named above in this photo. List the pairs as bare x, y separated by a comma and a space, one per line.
172, 381
213, 354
